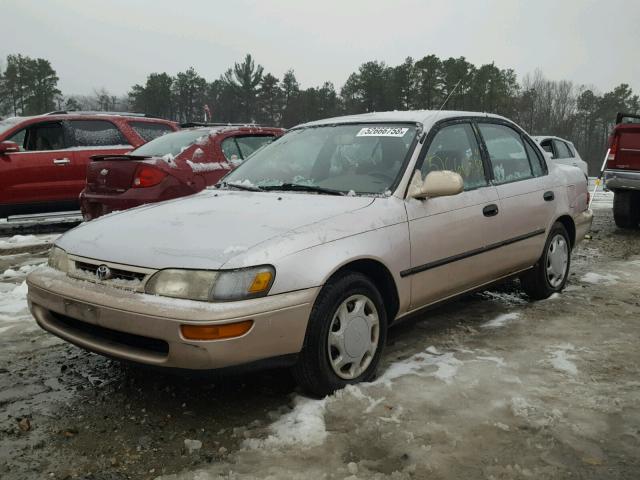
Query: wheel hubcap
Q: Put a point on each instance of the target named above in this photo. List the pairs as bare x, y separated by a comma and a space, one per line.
557, 261
353, 337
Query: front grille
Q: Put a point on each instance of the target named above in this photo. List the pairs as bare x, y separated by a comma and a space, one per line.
116, 273
109, 336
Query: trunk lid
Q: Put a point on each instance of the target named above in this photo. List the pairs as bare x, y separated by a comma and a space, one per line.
111, 173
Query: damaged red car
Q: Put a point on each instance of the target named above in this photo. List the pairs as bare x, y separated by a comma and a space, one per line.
174, 165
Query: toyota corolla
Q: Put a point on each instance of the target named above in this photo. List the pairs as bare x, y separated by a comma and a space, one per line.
307, 252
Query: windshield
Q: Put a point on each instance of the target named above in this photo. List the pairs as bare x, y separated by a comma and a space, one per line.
171, 143
358, 158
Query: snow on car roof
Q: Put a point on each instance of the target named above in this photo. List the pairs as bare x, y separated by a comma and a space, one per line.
424, 117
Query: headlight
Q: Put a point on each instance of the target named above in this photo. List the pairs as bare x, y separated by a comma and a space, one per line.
204, 285
58, 259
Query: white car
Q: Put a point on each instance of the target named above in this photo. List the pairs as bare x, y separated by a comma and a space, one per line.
562, 151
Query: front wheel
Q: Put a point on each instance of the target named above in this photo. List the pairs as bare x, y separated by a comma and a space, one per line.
345, 336
549, 275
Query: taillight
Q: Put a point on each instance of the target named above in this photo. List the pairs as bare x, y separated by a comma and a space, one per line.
147, 176
611, 159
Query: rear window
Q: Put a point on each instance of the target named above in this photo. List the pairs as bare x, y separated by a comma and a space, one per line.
97, 133
149, 131
248, 145
172, 143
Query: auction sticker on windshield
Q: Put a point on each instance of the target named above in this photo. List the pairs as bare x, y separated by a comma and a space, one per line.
382, 132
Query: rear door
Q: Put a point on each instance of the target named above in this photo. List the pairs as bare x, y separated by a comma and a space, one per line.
93, 137
526, 191
449, 234
41, 171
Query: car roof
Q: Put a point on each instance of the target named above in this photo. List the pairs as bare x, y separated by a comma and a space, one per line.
424, 117
215, 130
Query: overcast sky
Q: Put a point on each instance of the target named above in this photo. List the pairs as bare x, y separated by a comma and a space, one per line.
117, 43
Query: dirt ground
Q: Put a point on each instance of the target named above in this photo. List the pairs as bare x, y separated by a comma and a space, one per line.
487, 387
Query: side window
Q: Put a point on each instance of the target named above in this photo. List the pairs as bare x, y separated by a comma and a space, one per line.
536, 160
97, 133
45, 136
248, 145
507, 153
562, 151
230, 151
546, 145
19, 137
455, 148
149, 131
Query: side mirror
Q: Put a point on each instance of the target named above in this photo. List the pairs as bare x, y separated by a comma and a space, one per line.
9, 147
441, 183
548, 155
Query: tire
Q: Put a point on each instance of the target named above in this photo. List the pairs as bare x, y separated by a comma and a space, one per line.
314, 370
546, 277
626, 208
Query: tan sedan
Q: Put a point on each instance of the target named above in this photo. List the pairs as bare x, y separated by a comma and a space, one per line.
307, 252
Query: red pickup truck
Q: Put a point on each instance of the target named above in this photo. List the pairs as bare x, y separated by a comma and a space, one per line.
43, 159
622, 173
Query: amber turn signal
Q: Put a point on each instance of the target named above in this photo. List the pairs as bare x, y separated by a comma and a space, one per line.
261, 282
215, 332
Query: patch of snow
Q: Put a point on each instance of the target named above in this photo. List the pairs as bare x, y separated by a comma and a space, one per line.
13, 301
447, 367
207, 167
561, 360
169, 160
599, 278
506, 298
303, 426
497, 360
23, 240
501, 320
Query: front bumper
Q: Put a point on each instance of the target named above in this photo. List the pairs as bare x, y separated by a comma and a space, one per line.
622, 179
146, 329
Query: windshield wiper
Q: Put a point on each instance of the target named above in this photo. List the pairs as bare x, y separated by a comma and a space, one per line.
241, 186
298, 187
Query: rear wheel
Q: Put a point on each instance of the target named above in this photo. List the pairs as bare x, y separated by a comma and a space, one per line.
345, 336
626, 208
549, 275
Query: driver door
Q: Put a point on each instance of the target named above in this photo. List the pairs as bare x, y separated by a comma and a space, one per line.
39, 173
450, 235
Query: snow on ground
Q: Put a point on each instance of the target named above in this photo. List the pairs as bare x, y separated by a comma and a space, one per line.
600, 278
501, 320
25, 240
561, 359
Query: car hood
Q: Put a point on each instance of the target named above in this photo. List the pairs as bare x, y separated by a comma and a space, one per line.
201, 231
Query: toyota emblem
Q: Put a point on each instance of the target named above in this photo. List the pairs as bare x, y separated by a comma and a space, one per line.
103, 272
104, 171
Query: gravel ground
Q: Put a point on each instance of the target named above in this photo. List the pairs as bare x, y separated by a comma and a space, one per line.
490, 386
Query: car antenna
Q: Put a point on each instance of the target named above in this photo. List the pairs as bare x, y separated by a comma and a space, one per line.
449, 96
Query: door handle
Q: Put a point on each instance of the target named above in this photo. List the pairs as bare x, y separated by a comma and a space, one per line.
548, 196
61, 161
490, 210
